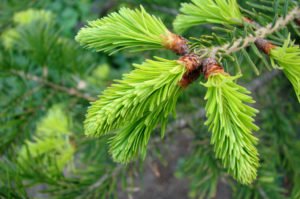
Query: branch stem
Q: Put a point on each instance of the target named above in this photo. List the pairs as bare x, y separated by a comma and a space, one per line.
57, 87
241, 42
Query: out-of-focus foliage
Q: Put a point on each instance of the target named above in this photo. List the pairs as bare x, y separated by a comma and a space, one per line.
51, 142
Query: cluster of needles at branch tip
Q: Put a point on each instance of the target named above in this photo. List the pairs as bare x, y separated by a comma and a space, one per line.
134, 106
285, 58
207, 11
231, 122
133, 30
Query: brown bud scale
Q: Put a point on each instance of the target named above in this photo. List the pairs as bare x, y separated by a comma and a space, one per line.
264, 45
211, 66
176, 43
193, 69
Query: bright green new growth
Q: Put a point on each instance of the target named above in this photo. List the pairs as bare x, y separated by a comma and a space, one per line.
9, 37
26, 17
288, 58
231, 123
128, 29
135, 105
22, 19
51, 140
132, 140
207, 11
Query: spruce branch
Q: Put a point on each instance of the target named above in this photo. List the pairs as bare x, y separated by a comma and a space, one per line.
183, 121
288, 59
135, 105
243, 42
143, 90
231, 122
144, 98
207, 11
135, 30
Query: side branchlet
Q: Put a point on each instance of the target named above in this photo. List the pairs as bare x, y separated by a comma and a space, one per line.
135, 30
231, 122
207, 11
288, 59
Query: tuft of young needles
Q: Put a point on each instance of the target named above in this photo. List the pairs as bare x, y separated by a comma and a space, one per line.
135, 105
288, 59
135, 30
50, 143
231, 122
27, 16
207, 11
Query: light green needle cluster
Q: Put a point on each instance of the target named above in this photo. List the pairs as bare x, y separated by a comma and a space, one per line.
131, 141
127, 29
135, 105
9, 37
207, 11
22, 19
288, 58
231, 122
27, 16
50, 142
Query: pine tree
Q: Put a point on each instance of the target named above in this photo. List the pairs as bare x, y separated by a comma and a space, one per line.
248, 137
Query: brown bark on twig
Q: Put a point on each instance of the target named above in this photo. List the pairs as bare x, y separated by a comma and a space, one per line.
176, 43
264, 45
192, 64
211, 66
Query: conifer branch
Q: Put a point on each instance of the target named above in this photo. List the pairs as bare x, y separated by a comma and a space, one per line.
183, 121
207, 11
288, 59
231, 122
135, 30
242, 43
145, 97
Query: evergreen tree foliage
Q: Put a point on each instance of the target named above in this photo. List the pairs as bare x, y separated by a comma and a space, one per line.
144, 97
127, 29
231, 123
50, 148
51, 142
288, 59
27, 16
207, 11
